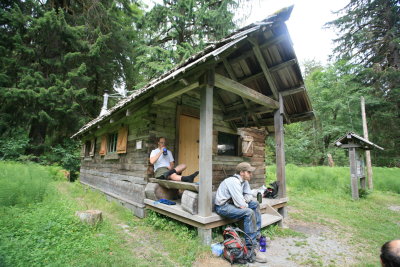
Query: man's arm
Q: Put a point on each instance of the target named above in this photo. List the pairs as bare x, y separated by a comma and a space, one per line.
248, 196
236, 191
155, 156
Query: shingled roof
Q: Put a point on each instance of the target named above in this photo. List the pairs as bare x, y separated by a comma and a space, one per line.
355, 138
260, 56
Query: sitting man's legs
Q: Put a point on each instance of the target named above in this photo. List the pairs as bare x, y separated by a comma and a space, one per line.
251, 221
174, 174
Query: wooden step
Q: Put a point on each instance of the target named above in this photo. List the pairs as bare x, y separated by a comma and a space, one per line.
268, 219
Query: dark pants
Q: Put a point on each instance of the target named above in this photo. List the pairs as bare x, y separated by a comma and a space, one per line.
251, 218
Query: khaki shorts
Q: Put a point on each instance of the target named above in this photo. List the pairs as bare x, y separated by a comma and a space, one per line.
160, 171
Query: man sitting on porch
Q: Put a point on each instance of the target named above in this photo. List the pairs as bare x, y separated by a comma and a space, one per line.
163, 162
234, 200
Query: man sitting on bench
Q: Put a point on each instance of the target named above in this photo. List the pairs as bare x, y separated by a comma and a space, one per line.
235, 201
163, 162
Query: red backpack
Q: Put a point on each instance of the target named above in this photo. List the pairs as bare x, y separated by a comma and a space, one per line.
235, 250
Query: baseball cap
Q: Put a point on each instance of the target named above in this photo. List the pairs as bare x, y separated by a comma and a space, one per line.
244, 166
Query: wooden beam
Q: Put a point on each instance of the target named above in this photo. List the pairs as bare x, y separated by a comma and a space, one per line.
244, 91
206, 141
264, 67
293, 91
239, 114
252, 78
280, 149
270, 42
169, 94
302, 116
283, 65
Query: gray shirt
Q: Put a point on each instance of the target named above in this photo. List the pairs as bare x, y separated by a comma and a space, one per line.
234, 188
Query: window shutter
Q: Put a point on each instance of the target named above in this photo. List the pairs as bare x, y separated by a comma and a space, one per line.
247, 146
92, 145
122, 140
103, 146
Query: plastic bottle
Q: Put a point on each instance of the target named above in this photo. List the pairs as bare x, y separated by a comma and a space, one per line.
164, 151
217, 249
259, 197
263, 244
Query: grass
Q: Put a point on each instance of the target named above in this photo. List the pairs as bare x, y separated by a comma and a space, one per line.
45, 232
22, 184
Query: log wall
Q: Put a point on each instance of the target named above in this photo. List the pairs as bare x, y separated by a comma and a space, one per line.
121, 176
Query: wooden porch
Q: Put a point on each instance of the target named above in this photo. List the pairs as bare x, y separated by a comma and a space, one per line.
268, 213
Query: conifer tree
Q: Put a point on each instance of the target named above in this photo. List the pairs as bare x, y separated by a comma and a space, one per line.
369, 35
176, 29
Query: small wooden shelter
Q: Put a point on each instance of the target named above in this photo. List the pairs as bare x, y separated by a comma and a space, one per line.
356, 146
215, 110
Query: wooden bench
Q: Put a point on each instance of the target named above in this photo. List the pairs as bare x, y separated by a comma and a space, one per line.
176, 184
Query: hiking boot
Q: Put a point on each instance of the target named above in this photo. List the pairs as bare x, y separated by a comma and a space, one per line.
260, 256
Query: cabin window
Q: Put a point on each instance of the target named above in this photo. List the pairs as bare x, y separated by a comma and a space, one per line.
88, 145
112, 142
228, 144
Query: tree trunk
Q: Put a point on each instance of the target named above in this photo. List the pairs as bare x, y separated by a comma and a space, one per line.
37, 136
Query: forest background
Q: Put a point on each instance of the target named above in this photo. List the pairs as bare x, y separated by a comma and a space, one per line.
58, 57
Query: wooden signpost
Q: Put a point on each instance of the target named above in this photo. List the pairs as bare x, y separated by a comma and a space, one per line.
356, 146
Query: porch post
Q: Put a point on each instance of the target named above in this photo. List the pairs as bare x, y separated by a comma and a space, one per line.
205, 151
280, 153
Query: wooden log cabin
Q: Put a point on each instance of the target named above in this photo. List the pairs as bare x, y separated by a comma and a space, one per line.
216, 109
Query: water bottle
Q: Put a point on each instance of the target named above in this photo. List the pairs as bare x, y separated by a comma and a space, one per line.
259, 197
164, 151
263, 244
217, 249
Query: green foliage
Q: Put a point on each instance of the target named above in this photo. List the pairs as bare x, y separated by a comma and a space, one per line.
13, 147
56, 61
54, 236
336, 180
42, 229
274, 231
174, 30
335, 92
67, 155
161, 222
369, 37
387, 179
24, 184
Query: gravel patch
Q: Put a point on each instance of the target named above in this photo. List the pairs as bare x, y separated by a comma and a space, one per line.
318, 247
394, 208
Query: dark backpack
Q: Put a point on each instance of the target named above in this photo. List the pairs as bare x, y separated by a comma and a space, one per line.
235, 250
272, 190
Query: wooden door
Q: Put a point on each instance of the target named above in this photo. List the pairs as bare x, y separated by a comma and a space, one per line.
189, 128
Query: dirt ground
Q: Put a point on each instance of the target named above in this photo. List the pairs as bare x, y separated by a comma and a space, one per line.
318, 246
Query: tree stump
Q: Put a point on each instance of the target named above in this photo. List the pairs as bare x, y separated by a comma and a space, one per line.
91, 217
330, 160
155, 192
